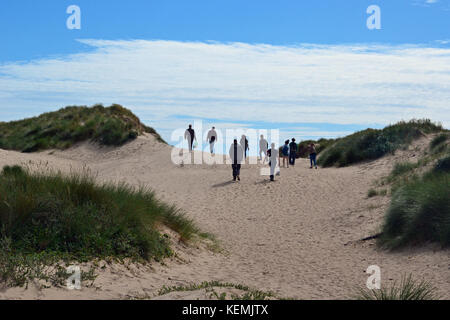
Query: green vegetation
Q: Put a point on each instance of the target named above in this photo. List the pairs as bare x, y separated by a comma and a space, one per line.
210, 287
373, 193
443, 165
440, 143
407, 289
420, 206
401, 168
61, 129
321, 145
49, 218
303, 147
372, 144
439, 140
419, 212
439, 155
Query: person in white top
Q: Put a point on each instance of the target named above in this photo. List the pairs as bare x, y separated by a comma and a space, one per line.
273, 161
263, 146
212, 138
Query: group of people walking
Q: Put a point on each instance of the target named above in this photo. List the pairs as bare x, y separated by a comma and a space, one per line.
239, 151
289, 153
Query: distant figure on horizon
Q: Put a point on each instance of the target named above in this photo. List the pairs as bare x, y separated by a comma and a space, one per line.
212, 138
312, 155
189, 135
263, 146
273, 156
285, 154
244, 145
292, 152
236, 155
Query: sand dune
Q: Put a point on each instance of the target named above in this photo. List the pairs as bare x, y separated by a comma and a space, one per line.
295, 236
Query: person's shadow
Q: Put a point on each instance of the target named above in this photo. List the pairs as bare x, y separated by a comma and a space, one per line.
223, 184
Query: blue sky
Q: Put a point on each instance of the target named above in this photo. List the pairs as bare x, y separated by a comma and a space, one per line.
310, 67
34, 29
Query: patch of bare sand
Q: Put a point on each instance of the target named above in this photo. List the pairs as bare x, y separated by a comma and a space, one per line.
295, 236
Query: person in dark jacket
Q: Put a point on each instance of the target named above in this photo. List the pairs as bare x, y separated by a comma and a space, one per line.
244, 145
292, 152
236, 155
189, 135
285, 154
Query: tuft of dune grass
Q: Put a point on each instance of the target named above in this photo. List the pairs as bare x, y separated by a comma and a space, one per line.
419, 212
439, 139
72, 217
407, 289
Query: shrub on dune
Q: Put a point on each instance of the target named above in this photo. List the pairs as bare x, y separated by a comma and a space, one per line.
114, 125
439, 139
71, 217
372, 144
419, 212
443, 165
400, 168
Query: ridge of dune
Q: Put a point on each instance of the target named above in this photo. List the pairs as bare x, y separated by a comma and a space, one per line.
296, 236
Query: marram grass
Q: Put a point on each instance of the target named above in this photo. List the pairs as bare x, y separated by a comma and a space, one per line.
407, 289
49, 217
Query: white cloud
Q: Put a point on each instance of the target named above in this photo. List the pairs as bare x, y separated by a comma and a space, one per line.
429, 3
344, 84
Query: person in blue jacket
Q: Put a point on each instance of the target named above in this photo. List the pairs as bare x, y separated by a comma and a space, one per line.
285, 154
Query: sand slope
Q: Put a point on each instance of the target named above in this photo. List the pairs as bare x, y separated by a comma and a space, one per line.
296, 236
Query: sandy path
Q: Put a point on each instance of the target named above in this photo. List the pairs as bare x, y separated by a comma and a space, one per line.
293, 236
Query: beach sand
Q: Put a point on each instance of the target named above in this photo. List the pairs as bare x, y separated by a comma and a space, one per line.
297, 236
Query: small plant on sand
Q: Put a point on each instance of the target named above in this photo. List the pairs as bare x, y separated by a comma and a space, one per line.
372, 193
407, 289
213, 286
401, 168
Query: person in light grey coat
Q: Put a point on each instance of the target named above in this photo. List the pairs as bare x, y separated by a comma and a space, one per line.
263, 146
212, 138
